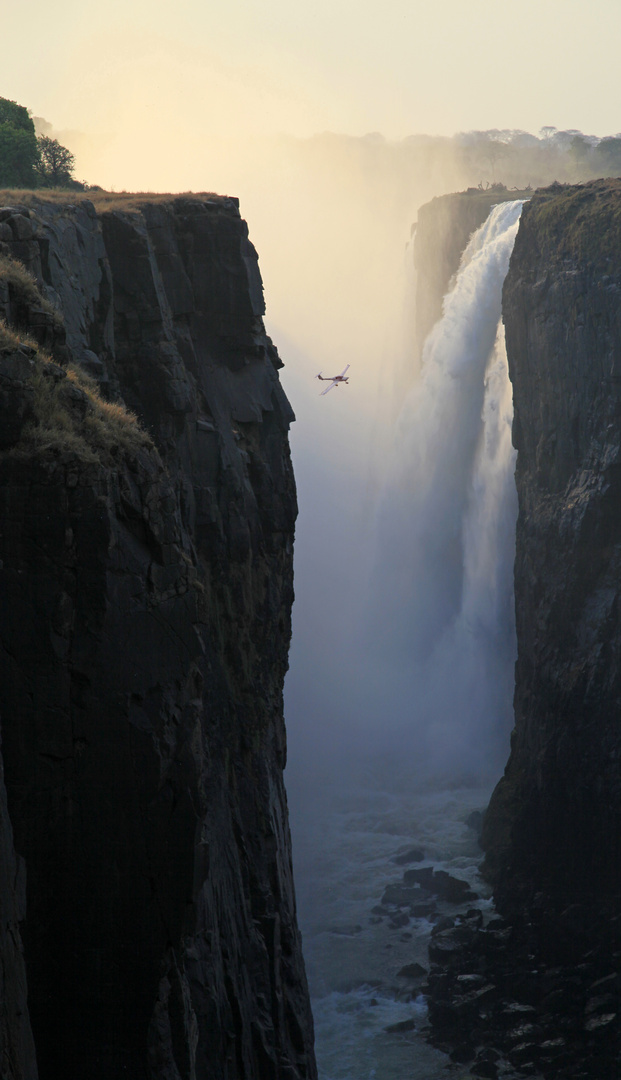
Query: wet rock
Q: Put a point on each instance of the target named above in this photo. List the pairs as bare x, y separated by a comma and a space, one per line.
443, 923
412, 971
551, 1021
421, 911
474, 917
402, 1026
484, 1069
517, 1008
469, 981
413, 855
380, 909
401, 896
399, 920
440, 883
444, 947
603, 1020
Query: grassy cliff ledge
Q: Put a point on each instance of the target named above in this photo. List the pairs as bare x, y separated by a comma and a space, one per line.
581, 223
46, 408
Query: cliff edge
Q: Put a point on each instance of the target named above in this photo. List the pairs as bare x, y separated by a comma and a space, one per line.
146, 589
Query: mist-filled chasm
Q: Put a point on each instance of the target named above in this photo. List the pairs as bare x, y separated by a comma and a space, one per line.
399, 696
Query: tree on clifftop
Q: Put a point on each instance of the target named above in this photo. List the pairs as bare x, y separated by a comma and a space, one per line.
19, 153
27, 161
56, 163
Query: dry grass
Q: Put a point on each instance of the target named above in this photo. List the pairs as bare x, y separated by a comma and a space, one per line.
102, 200
26, 287
70, 416
70, 413
581, 221
9, 339
89, 426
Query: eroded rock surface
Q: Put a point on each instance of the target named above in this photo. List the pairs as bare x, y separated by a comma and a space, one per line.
144, 632
553, 826
537, 992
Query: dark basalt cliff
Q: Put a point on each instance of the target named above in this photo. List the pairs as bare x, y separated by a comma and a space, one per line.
553, 830
536, 991
145, 595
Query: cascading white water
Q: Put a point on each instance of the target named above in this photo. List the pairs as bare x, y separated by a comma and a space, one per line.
446, 524
429, 693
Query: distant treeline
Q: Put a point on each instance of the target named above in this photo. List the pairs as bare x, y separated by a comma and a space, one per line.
433, 164
28, 160
570, 155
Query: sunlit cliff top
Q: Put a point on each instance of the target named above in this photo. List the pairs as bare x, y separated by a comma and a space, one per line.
107, 200
579, 221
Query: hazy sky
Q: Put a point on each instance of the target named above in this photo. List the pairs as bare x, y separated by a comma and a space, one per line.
255, 66
171, 96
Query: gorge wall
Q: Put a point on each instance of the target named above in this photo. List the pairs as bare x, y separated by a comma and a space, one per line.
553, 827
535, 991
145, 597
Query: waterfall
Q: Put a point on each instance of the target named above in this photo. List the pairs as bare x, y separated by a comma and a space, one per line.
443, 596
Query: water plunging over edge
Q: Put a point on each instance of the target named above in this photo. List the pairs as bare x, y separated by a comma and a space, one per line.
451, 494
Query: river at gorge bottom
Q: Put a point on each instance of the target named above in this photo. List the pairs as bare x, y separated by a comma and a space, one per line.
351, 856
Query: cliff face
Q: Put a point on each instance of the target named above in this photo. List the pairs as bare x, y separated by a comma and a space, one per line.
553, 831
144, 630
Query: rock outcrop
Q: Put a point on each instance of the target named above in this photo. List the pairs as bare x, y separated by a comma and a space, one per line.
146, 588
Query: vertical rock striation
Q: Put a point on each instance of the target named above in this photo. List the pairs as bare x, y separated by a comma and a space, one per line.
144, 631
553, 829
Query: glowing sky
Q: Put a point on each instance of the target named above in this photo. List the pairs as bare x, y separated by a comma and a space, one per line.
253, 66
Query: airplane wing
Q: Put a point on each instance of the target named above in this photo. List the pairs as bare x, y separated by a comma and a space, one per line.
328, 388
343, 371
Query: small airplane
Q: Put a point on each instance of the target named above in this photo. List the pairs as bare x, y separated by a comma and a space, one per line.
334, 380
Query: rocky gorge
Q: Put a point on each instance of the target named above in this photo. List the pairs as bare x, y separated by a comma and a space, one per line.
536, 991
147, 509
146, 528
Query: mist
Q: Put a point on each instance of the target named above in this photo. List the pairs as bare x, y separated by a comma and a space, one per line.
403, 646
331, 216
